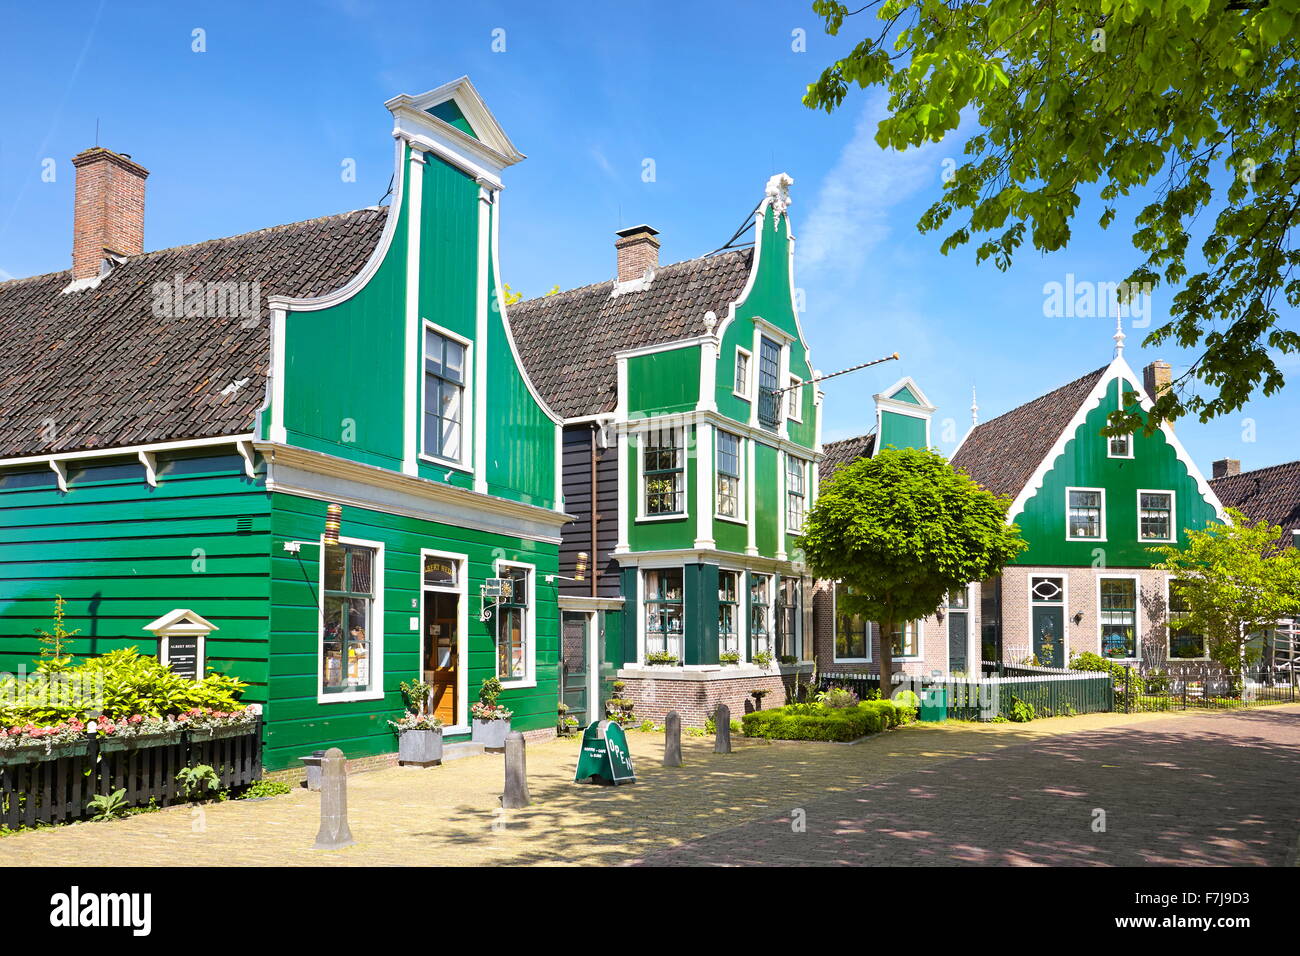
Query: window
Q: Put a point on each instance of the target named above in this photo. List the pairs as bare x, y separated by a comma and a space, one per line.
1084, 518
787, 619
1184, 644
444, 395
664, 462
959, 599
852, 638
741, 385
795, 496
907, 642
347, 613
728, 612
769, 370
794, 399
1119, 618
728, 475
512, 619
1156, 515
663, 612
1119, 446
760, 612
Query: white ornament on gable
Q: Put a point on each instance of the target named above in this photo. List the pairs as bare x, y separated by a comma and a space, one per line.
778, 192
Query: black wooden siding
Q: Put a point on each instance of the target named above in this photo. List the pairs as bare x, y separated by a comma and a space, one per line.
578, 443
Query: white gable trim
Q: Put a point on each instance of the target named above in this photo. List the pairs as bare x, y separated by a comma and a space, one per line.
1118, 369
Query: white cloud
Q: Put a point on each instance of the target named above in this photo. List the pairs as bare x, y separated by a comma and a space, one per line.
851, 215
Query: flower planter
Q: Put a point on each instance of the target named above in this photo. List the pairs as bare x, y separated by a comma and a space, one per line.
419, 747
111, 743
36, 753
217, 733
490, 733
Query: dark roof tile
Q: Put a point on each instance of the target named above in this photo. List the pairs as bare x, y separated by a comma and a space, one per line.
1266, 494
845, 451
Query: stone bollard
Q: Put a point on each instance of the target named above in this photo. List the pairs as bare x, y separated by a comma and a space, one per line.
672, 740
516, 795
334, 833
722, 727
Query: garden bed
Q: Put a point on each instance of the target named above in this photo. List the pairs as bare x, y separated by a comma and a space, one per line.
815, 721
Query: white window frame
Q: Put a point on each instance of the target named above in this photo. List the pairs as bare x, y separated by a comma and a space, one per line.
1137, 613
1173, 516
749, 374
1110, 452
794, 403
1066, 513
798, 639
376, 627
803, 468
1169, 633
835, 629
742, 457
749, 613
741, 606
641, 514
641, 635
920, 642
466, 459
461, 589
530, 629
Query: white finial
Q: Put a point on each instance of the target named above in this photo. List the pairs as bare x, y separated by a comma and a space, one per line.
778, 191
710, 321
974, 408
1119, 332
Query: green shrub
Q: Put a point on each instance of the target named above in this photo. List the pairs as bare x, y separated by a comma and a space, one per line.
107, 806
820, 722
1021, 711
266, 788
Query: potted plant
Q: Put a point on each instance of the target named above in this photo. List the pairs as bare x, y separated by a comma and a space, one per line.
763, 659
729, 657
491, 720
30, 743
661, 657
216, 724
419, 733
135, 731
758, 693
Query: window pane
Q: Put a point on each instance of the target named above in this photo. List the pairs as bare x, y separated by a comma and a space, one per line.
1118, 618
1084, 519
454, 362
904, 642
1155, 517
335, 560
742, 373
360, 560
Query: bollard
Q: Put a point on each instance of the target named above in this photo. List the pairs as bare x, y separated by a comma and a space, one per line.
516, 795
334, 833
722, 726
672, 740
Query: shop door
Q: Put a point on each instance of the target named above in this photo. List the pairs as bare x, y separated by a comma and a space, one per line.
441, 653
574, 665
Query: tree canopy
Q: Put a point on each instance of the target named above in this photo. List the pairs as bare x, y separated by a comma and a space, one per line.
901, 530
1193, 103
1236, 580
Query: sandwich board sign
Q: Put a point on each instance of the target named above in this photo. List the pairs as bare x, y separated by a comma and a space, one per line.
605, 757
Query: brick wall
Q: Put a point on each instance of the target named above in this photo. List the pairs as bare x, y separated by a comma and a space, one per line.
696, 700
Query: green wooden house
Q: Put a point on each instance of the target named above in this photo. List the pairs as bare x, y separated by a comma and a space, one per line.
691, 444
175, 424
1090, 508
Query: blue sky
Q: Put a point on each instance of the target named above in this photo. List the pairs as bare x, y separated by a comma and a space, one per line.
255, 130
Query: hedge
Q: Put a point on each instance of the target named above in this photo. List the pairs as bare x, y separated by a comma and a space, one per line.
819, 722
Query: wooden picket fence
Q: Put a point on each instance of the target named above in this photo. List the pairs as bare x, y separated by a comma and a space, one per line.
56, 788
983, 698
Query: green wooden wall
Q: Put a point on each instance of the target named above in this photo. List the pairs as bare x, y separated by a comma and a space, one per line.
295, 722
1084, 463
123, 553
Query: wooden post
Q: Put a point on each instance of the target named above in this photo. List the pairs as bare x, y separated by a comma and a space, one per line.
672, 739
722, 729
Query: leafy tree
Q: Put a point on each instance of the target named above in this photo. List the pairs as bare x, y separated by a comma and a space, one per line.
899, 532
1192, 102
1236, 579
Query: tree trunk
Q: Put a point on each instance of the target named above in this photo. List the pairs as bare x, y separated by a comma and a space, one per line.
886, 659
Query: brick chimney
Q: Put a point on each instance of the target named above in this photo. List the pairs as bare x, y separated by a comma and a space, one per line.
108, 211
638, 252
1225, 467
1156, 377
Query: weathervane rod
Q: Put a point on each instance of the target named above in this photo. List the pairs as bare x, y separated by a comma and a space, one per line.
843, 371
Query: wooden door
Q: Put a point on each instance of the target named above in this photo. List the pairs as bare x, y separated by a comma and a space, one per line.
441, 652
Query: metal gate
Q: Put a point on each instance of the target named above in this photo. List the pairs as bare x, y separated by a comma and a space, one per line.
574, 665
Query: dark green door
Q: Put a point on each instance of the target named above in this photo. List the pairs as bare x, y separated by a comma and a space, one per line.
1049, 630
958, 630
574, 665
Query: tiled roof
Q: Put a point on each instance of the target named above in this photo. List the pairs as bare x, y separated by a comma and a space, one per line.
844, 451
1002, 453
568, 340
98, 369
1266, 494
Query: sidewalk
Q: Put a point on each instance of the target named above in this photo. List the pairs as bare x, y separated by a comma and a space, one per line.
451, 814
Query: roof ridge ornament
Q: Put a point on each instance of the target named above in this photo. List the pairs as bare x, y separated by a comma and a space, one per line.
778, 192
1119, 331
974, 408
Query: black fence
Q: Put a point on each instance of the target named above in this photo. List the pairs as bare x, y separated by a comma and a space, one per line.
1157, 692
36, 787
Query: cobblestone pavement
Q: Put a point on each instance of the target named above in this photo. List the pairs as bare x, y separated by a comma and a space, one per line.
1212, 790
876, 801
